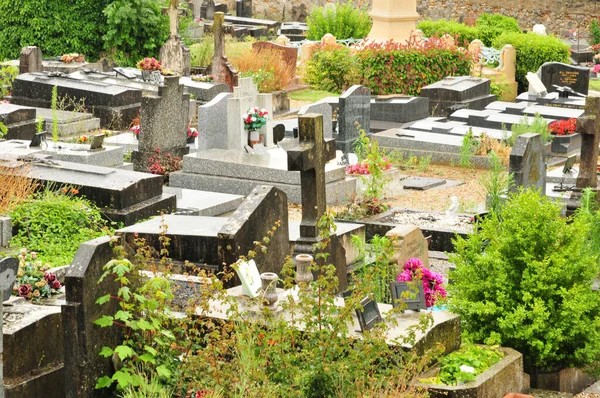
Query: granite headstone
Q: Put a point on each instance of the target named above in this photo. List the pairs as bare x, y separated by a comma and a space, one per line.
528, 163
563, 75
354, 114
212, 126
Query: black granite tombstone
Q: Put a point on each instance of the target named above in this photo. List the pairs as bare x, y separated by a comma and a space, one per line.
563, 75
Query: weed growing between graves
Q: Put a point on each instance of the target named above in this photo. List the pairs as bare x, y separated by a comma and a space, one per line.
7, 75
54, 106
3, 130
489, 145
467, 149
255, 353
496, 184
538, 126
15, 188
412, 162
377, 260
266, 68
524, 279
344, 21
54, 223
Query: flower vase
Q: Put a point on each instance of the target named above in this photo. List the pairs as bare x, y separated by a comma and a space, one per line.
191, 140
303, 273
269, 287
253, 138
145, 75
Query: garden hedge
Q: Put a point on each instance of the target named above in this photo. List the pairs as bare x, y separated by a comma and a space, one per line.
461, 32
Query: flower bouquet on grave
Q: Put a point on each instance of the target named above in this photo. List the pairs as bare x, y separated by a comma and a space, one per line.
34, 281
254, 119
74, 57
432, 281
563, 127
149, 66
192, 133
136, 130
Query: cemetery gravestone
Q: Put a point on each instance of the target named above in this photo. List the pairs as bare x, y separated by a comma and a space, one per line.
563, 75
322, 109
589, 128
212, 132
528, 163
163, 123
19, 120
246, 96
462, 91
309, 158
265, 207
408, 242
174, 55
30, 60
354, 108
243, 8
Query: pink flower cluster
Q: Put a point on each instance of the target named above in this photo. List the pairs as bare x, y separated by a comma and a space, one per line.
135, 129
363, 168
432, 281
192, 132
149, 64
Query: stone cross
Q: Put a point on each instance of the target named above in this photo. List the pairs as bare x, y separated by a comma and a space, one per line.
174, 18
218, 64
588, 127
309, 158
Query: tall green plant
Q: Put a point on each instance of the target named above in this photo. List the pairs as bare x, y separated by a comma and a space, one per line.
8, 74
469, 144
135, 29
377, 261
54, 107
332, 69
496, 183
524, 280
537, 126
345, 21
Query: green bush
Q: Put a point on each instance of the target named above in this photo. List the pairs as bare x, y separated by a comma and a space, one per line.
54, 224
135, 29
532, 51
56, 27
461, 32
595, 33
332, 69
524, 280
201, 53
394, 68
490, 26
344, 22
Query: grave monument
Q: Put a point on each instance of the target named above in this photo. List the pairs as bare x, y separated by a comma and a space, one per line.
174, 55
393, 20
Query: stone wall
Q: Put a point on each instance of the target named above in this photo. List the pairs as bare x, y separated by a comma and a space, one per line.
557, 15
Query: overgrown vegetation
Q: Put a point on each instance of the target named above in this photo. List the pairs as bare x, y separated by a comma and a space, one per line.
204, 357
15, 188
267, 69
532, 51
490, 26
332, 68
467, 149
8, 74
377, 261
538, 126
521, 277
344, 21
595, 33
54, 222
497, 183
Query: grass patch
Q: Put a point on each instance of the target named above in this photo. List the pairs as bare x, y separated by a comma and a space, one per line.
310, 95
595, 85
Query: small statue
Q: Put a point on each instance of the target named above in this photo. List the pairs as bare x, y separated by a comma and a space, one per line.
453, 209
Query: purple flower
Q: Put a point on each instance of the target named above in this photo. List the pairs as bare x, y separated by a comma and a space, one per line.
24, 290
49, 277
56, 284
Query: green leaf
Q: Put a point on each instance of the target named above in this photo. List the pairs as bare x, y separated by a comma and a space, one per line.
103, 299
103, 382
163, 371
105, 321
151, 350
123, 315
145, 325
124, 352
106, 352
123, 378
147, 357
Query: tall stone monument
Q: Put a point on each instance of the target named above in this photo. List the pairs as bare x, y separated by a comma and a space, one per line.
393, 20
174, 55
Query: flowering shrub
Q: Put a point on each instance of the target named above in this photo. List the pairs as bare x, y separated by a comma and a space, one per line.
596, 68
163, 164
254, 119
595, 48
432, 281
82, 139
363, 167
394, 68
33, 281
192, 132
563, 127
149, 64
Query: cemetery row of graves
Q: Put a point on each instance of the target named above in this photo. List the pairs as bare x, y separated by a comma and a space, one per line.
181, 229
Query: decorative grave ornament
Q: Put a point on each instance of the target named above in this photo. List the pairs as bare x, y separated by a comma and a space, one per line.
303, 273
369, 316
414, 301
254, 120
97, 141
250, 278
9, 267
269, 287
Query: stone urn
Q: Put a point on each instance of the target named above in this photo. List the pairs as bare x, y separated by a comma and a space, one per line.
303, 273
253, 137
269, 287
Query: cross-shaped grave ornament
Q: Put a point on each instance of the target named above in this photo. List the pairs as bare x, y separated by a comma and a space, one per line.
589, 128
309, 158
174, 12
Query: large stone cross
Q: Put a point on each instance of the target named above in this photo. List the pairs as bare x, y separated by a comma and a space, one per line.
309, 158
174, 13
589, 128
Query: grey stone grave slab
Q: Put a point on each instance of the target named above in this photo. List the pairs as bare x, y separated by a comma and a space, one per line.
123, 196
252, 22
507, 107
5, 231
82, 338
470, 92
422, 183
70, 124
354, 108
320, 108
212, 123
116, 106
260, 149
502, 120
19, 120
419, 140
399, 110
553, 112
462, 115
127, 141
528, 162
9, 266
552, 99
563, 75
238, 173
203, 203
30, 60
204, 91
163, 123
109, 156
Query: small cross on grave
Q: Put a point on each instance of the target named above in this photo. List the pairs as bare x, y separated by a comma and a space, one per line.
589, 128
309, 158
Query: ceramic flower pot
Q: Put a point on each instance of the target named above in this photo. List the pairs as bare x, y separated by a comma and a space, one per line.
253, 138
269, 287
303, 274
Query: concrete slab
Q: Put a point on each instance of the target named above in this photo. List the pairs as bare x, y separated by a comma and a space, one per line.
422, 183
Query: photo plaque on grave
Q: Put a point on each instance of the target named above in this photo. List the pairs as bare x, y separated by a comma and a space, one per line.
369, 316
414, 302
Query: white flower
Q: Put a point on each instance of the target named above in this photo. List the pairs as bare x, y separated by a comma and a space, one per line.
263, 110
253, 119
467, 369
246, 116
